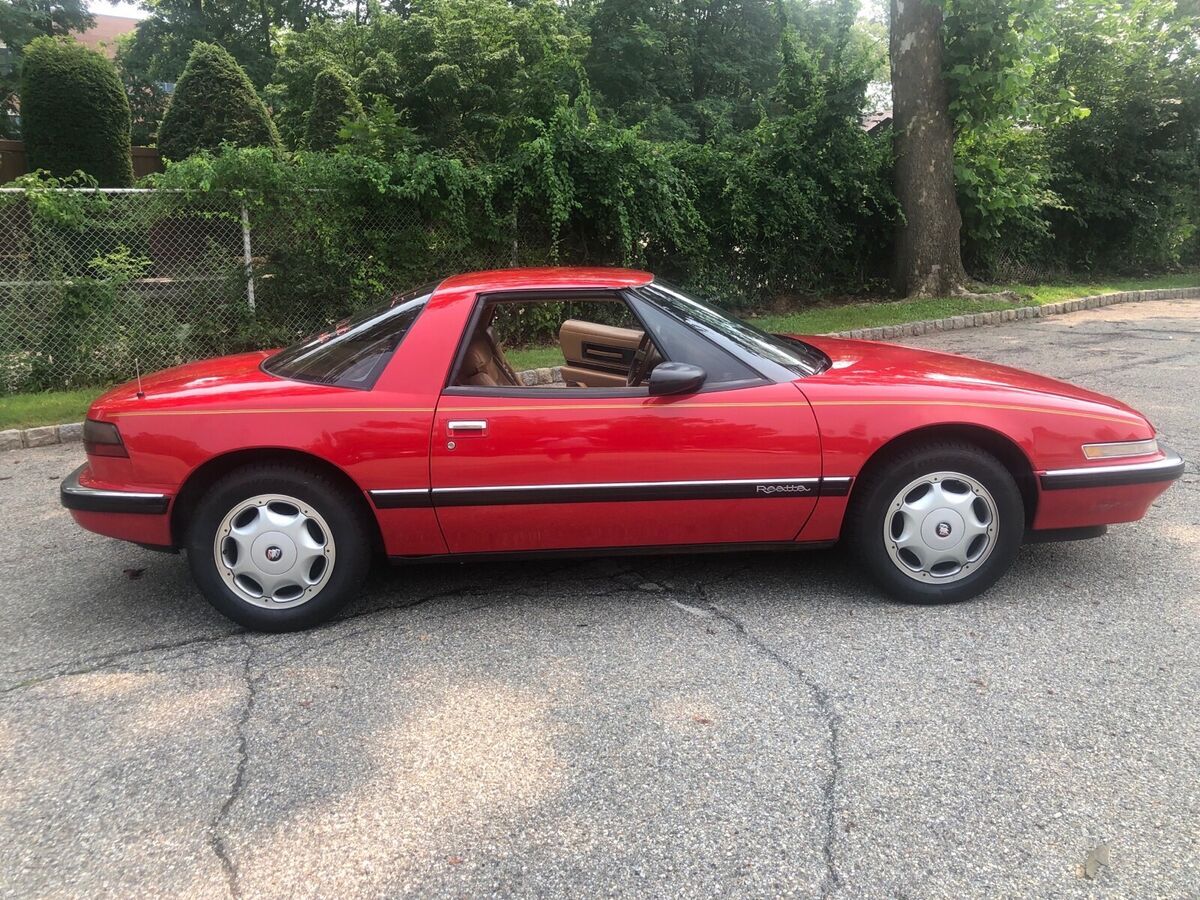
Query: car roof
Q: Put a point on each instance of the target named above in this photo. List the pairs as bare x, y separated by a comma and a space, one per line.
597, 277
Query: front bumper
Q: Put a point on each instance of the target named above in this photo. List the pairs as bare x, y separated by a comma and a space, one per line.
1089, 496
79, 497
1167, 469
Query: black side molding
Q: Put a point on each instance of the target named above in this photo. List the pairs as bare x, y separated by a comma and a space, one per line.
75, 496
1170, 467
414, 498
506, 495
610, 493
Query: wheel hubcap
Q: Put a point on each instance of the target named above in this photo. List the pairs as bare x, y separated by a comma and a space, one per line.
274, 551
941, 527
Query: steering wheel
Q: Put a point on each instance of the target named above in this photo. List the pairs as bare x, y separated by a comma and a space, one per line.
643, 362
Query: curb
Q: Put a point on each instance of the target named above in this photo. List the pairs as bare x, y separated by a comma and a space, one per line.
1001, 316
46, 435
42, 436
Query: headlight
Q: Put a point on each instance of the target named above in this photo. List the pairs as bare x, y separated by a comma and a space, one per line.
1123, 448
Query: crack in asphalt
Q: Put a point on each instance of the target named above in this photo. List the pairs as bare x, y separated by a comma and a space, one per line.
110, 660
623, 581
1128, 365
216, 839
113, 660
90, 665
822, 702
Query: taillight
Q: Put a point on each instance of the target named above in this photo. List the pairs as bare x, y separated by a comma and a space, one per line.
102, 439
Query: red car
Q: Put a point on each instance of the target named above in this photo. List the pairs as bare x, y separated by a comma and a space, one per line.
665, 425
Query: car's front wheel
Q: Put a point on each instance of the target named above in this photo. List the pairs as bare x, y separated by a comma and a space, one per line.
277, 548
937, 524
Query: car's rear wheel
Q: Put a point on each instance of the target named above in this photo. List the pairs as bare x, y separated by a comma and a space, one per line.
278, 548
937, 524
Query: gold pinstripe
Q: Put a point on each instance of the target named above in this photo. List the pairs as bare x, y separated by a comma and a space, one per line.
590, 406
1005, 406
243, 412
585, 406
976, 405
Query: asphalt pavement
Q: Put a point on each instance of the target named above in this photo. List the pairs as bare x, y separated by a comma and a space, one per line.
732, 725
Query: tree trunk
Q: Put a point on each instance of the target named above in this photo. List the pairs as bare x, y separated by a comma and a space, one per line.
928, 255
264, 17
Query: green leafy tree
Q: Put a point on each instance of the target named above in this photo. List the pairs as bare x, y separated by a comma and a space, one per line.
20, 22
75, 113
214, 103
249, 31
599, 192
803, 200
158, 50
685, 69
1128, 175
962, 82
465, 74
994, 53
334, 101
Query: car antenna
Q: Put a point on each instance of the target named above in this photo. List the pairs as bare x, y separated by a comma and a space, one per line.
141, 395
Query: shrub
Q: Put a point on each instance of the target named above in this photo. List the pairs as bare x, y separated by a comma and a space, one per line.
74, 112
333, 100
214, 103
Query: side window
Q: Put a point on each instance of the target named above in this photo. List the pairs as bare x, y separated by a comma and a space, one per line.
555, 342
680, 344
355, 351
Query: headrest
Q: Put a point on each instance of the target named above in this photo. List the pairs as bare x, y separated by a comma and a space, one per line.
479, 356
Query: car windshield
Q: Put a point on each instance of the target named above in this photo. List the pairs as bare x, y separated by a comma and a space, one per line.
353, 352
790, 353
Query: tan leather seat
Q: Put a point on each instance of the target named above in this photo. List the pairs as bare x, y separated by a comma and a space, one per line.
485, 366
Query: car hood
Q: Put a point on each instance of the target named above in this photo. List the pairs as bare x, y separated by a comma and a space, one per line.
874, 363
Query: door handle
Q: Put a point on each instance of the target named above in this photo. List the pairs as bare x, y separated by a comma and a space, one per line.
459, 426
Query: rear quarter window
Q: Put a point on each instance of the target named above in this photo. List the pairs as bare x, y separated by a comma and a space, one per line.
354, 352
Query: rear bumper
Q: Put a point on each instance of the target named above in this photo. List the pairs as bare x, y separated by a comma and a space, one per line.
80, 497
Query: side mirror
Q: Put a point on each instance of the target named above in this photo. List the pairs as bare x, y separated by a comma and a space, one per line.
675, 378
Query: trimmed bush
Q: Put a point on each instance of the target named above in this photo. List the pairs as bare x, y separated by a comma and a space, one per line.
74, 112
333, 100
214, 103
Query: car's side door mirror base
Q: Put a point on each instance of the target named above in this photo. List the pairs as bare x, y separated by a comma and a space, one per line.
675, 378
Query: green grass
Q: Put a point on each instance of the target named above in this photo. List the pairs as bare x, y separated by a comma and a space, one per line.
1052, 292
845, 317
56, 407
848, 316
523, 358
50, 408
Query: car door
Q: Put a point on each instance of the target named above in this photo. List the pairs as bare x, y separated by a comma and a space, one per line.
521, 469
596, 354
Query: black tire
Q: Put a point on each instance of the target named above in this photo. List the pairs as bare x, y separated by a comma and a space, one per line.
342, 513
875, 492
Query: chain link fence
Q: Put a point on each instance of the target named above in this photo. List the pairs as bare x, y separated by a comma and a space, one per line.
96, 282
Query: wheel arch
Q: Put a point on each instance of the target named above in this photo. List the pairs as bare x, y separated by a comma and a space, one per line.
998, 444
209, 472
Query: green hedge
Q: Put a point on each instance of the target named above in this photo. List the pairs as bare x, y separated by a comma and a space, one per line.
333, 100
74, 113
214, 103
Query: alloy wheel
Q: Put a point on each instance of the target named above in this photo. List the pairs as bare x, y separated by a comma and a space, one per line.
274, 551
941, 527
